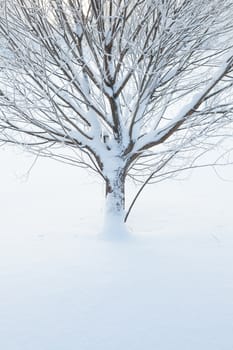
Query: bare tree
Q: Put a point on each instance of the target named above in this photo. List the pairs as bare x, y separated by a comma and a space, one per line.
130, 89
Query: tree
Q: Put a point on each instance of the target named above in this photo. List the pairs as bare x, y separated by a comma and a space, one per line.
129, 89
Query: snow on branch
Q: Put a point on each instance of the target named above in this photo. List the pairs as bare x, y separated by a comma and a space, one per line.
114, 79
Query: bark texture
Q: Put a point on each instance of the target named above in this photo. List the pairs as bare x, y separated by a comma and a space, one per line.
115, 194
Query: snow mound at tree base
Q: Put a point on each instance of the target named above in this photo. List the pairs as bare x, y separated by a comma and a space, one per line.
115, 229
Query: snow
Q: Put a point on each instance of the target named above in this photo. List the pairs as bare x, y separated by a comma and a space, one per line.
113, 228
63, 287
194, 103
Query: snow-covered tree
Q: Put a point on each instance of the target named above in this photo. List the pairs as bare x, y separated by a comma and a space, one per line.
129, 89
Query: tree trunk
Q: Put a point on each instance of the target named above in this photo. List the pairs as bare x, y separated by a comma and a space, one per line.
115, 204
115, 194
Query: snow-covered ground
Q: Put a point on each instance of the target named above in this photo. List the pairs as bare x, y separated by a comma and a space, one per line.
169, 287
